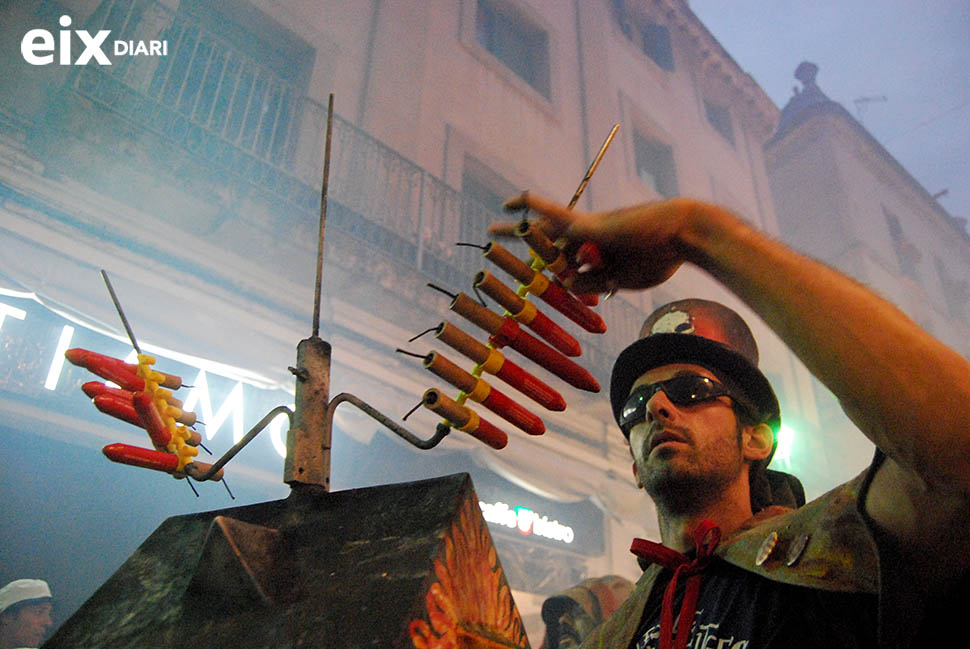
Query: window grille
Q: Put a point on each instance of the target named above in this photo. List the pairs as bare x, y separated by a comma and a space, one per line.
222, 86
907, 254
720, 118
519, 44
657, 45
655, 165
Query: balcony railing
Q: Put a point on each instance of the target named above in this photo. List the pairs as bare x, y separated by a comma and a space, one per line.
206, 79
236, 116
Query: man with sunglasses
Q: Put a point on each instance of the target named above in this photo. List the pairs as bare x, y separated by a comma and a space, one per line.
881, 561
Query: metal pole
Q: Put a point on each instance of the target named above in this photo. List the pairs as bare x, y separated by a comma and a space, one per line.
323, 218
308, 440
124, 320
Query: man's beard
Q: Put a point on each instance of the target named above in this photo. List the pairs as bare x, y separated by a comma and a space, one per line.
686, 487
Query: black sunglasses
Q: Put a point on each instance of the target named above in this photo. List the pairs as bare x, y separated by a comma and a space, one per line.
682, 390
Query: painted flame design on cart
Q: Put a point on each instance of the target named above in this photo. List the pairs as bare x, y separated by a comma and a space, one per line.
470, 604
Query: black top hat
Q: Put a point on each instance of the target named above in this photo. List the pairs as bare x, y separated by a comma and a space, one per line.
704, 333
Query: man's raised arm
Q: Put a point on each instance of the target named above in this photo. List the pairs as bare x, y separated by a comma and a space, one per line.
906, 391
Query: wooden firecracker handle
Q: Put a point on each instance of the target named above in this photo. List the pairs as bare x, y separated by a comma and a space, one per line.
462, 342
450, 372
509, 263
468, 308
464, 419
499, 292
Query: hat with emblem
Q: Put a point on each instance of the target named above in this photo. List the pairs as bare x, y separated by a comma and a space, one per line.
703, 333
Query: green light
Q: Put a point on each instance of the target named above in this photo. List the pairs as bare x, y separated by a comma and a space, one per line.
786, 438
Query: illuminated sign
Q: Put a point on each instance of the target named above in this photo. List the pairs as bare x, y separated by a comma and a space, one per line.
217, 397
33, 373
526, 521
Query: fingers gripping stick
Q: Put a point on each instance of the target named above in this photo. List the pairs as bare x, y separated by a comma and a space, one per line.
553, 258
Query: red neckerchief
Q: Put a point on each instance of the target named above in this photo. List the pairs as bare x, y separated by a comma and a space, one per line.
706, 537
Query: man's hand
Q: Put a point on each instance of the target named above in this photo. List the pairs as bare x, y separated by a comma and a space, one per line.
639, 246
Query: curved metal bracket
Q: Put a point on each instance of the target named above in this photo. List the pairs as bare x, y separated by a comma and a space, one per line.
440, 432
238, 446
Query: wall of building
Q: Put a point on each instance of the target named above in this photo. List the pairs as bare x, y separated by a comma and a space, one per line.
208, 225
840, 195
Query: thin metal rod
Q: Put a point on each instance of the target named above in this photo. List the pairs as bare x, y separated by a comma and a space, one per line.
124, 320
226, 485
323, 218
592, 167
440, 433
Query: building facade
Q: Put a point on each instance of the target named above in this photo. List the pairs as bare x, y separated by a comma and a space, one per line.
193, 178
840, 196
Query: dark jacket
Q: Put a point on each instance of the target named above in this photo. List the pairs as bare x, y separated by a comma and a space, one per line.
840, 555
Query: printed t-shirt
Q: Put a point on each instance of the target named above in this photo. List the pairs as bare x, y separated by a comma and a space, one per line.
740, 610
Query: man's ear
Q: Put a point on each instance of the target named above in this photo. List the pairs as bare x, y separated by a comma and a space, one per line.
636, 478
757, 441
